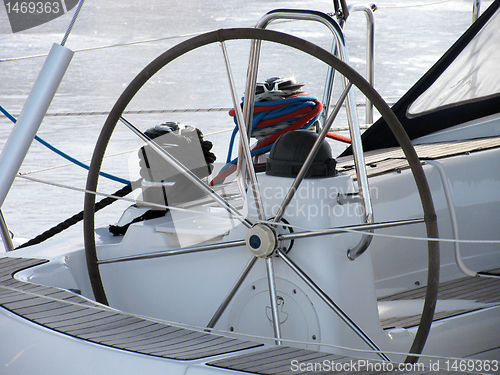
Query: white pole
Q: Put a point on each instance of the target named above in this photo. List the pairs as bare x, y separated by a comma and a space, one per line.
31, 116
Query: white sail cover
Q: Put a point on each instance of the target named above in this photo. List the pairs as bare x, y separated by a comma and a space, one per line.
474, 74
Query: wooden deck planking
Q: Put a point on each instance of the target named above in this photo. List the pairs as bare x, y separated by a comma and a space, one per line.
120, 336
175, 338
73, 315
145, 335
98, 324
66, 315
278, 361
477, 289
393, 160
189, 347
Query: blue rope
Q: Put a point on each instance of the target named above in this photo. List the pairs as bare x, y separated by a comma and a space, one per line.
64, 155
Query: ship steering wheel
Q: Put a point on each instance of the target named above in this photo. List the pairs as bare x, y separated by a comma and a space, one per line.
350, 74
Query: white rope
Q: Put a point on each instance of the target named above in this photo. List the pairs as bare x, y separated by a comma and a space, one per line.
413, 6
241, 217
299, 342
218, 132
104, 47
144, 41
73, 164
134, 112
426, 239
47, 169
138, 112
423, 238
130, 200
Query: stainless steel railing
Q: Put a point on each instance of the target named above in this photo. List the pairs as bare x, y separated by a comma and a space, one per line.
339, 48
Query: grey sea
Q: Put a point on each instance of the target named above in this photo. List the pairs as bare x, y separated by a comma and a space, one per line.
114, 40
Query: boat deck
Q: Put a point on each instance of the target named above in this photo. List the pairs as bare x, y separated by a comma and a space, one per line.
71, 314
480, 292
471, 293
383, 161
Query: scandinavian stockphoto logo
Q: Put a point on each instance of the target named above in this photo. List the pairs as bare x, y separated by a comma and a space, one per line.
24, 15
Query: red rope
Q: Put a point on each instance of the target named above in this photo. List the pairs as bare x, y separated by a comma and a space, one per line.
338, 137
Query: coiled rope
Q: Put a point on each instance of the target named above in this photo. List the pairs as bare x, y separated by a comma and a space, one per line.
298, 111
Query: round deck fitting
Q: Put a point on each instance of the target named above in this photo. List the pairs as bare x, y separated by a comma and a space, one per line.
261, 240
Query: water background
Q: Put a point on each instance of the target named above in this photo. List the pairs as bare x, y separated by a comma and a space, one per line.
410, 36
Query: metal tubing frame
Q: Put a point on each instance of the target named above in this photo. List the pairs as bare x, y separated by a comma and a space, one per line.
4, 230
370, 52
305, 15
255, 56
32, 115
454, 224
242, 126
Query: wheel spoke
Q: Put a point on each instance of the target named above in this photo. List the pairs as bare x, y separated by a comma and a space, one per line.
348, 228
330, 303
166, 253
274, 299
231, 293
242, 127
312, 154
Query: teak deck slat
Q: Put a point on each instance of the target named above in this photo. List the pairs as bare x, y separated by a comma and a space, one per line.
73, 315
478, 289
277, 361
393, 160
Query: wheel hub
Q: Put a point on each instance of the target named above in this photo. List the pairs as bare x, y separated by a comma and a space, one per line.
261, 240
